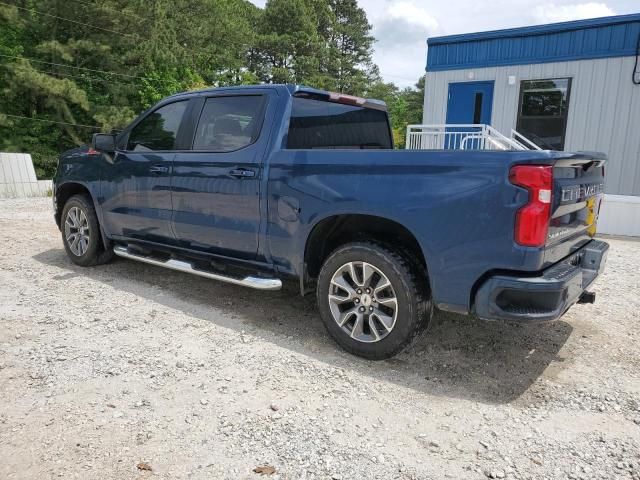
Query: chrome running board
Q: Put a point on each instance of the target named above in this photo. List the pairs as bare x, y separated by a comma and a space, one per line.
181, 266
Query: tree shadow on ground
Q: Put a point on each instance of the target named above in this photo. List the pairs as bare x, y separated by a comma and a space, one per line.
458, 356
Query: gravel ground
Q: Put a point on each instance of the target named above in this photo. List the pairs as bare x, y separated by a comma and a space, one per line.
107, 371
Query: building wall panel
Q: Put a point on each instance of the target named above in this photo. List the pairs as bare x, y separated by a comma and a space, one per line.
620, 215
604, 109
18, 177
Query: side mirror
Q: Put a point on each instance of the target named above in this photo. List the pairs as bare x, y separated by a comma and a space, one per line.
104, 142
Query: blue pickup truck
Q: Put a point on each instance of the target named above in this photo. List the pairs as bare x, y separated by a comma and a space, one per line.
261, 184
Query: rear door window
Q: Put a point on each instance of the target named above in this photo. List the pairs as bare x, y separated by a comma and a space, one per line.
322, 124
229, 123
158, 130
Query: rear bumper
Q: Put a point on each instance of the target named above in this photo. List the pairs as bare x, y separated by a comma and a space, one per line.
544, 297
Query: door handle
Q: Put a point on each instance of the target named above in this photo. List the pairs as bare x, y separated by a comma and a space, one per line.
242, 173
159, 169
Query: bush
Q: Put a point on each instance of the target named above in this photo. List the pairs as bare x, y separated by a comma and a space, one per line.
44, 164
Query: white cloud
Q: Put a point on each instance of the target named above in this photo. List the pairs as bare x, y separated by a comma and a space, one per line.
411, 13
403, 23
401, 32
551, 12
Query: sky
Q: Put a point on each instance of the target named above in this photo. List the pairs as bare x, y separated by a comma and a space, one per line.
401, 27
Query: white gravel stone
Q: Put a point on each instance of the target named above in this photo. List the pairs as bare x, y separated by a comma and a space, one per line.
160, 345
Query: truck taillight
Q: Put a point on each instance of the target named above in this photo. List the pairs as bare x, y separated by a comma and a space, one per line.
532, 220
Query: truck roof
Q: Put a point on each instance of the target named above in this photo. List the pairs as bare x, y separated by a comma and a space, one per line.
298, 91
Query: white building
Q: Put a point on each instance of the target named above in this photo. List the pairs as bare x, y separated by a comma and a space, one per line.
571, 86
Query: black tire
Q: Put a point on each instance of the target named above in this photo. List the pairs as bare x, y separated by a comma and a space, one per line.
410, 284
95, 253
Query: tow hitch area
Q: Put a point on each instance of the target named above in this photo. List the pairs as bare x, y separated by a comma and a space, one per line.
587, 297
547, 296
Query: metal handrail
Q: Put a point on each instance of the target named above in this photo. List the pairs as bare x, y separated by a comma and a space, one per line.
474, 136
521, 139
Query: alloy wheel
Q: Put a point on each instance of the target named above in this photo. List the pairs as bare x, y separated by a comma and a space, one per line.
363, 302
76, 231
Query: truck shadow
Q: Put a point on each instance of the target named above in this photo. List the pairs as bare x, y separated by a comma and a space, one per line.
490, 362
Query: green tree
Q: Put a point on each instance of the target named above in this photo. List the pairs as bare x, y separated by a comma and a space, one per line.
288, 43
350, 47
404, 106
69, 68
52, 83
407, 110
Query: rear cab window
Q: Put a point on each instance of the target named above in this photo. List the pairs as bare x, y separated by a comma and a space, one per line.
320, 124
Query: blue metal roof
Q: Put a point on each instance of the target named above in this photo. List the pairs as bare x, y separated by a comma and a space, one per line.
583, 39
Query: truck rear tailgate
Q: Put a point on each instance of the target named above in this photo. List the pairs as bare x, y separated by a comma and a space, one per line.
578, 187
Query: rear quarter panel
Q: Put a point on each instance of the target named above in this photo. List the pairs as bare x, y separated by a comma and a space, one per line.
459, 205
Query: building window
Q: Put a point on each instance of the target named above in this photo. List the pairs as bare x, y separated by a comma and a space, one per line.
542, 112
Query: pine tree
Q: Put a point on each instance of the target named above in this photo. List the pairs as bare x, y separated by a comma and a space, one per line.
69, 68
350, 47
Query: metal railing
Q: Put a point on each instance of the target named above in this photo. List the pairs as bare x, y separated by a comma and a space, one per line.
464, 137
524, 141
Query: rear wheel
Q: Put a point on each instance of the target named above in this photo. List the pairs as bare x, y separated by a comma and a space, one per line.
81, 233
373, 299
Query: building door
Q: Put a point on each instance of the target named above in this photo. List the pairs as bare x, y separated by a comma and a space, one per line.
468, 103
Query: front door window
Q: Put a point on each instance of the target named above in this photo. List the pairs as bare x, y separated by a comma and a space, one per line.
158, 130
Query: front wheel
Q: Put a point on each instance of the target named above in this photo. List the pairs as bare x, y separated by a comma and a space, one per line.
81, 233
373, 300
